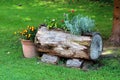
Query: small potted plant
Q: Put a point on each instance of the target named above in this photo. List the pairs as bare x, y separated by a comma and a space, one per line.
27, 40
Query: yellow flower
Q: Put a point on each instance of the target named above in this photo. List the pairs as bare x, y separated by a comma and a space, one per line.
25, 31
29, 35
32, 29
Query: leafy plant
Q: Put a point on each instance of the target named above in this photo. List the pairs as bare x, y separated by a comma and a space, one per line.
79, 24
54, 23
51, 23
76, 24
28, 33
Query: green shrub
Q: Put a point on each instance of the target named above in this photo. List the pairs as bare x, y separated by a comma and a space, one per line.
79, 24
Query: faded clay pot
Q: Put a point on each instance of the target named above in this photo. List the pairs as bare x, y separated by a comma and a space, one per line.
29, 49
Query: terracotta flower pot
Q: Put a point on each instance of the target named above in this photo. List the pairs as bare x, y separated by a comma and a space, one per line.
29, 49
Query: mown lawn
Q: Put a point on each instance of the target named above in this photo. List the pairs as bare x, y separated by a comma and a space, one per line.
17, 14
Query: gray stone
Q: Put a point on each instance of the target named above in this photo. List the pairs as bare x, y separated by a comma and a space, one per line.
74, 63
50, 59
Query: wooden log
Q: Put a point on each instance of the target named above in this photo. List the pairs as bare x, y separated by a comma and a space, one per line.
66, 45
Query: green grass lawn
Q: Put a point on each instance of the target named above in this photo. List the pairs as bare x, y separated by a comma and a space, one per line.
17, 14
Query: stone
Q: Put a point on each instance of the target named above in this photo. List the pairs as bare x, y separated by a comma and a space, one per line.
74, 63
50, 59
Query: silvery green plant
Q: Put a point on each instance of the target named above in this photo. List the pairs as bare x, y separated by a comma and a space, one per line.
79, 25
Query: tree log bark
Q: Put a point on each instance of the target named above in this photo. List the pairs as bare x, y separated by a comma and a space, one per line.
67, 45
115, 37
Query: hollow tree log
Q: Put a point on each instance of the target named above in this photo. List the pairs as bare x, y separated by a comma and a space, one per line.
67, 45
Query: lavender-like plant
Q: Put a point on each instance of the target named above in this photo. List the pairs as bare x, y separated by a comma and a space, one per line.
79, 25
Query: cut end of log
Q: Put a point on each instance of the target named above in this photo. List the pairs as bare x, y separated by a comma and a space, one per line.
96, 46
